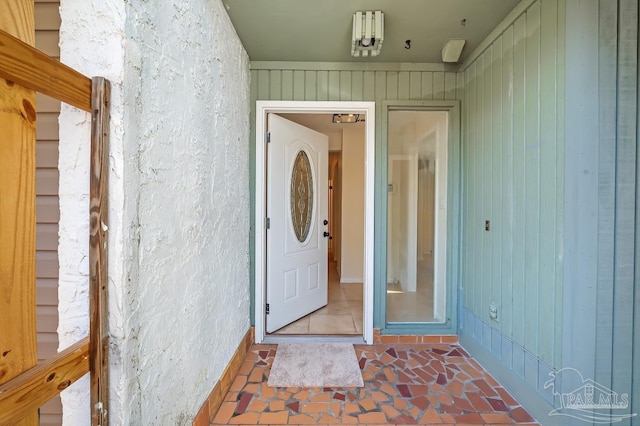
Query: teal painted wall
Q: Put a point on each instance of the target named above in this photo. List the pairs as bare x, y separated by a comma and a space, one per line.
617, 312
558, 85
348, 82
513, 165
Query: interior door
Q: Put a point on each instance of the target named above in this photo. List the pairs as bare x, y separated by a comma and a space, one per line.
297, 211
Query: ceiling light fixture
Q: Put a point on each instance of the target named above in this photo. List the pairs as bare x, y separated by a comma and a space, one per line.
368, 33
452, 49
347, 118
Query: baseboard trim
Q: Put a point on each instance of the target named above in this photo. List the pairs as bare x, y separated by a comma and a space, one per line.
214, 400
351, 280
532, 401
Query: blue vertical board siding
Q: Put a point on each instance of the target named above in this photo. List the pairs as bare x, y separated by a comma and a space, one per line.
403, 85
635, 356
438, 85
548, 181
532, 178
468, 275
369, 87
518, 320
625, 251
511, 173
602, 187
415, 85
569, 133
478, 330
322, 89
506, 280
334, 85
345, 85
486, 335
476, 225
310, 86
496, 343
450, 85
427, 85
357, 85
607, 85
263, 84
531, 369
392, 85
560, 179
518, 360
507, 352
486, 155
275, 81
497, 197
299, 88
287, 85
580, 256
471, 231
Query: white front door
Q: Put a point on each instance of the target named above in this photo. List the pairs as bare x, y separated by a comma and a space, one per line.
297, 211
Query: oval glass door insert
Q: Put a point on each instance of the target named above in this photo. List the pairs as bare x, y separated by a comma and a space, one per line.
301, 196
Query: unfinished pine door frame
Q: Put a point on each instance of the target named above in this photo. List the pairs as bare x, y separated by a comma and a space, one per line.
312, 107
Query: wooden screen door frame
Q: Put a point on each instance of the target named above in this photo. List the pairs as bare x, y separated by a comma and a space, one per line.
312, 107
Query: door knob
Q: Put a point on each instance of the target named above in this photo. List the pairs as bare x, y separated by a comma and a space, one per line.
326, 234
325, 222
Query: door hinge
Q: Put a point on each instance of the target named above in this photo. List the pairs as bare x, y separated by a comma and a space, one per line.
268, 223
268, 137
267, 309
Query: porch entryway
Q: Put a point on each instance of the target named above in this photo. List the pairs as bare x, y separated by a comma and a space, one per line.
403, 384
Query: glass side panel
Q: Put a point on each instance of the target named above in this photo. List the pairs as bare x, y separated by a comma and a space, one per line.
301, 196
416, 151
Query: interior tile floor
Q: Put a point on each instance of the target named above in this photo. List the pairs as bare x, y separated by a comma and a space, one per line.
342, 315
403, 384
413, 306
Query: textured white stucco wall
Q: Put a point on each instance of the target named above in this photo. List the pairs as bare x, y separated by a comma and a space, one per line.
92, 41
179, 213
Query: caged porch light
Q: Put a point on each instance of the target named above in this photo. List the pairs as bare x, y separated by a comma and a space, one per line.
368, 33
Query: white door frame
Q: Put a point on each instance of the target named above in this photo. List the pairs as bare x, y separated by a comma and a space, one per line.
312, 107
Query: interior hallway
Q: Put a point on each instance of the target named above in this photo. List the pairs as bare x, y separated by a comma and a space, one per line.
342, 315
403, 384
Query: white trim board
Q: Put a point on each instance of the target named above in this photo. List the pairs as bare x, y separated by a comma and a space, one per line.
314, 107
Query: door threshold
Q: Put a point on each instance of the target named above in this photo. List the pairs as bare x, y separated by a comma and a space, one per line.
313, 338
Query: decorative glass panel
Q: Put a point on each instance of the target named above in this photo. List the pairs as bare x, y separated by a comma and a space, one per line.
416, 240
301, 196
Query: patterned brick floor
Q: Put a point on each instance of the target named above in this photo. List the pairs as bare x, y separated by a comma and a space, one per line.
403, 384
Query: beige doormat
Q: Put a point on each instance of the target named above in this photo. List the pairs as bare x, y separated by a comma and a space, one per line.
315, 365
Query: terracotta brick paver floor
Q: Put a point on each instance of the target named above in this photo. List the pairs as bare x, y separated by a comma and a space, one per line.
403, 384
